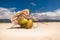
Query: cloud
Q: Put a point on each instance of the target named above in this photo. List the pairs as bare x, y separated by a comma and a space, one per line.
33, 4
5, 13
55, 15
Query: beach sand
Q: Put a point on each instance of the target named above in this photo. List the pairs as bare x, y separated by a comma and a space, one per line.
39, 31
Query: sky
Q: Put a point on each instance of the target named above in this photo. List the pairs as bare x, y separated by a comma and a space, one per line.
47, 8
32, 5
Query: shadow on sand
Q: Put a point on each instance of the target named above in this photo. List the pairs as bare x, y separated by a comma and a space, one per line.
16, 28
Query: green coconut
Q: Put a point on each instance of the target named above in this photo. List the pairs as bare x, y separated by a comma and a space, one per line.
22, 21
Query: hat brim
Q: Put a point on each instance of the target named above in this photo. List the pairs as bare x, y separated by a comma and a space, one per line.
26, 11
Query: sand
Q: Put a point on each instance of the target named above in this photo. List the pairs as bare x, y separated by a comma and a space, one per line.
40, 31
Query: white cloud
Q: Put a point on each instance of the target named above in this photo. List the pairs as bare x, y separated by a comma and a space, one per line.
33, 4
5, 13
47, 15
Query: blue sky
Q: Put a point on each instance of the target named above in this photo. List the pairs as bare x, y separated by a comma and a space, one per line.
32, 5
48, 9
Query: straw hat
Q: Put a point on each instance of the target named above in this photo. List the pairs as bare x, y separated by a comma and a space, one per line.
25, 11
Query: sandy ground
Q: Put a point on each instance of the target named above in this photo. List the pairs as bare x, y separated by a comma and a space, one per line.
40, 31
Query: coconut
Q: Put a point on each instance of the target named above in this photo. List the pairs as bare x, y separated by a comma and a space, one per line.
22, 21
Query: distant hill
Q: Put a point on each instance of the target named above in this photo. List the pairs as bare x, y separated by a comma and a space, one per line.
5, 20
47, 20
44, 20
